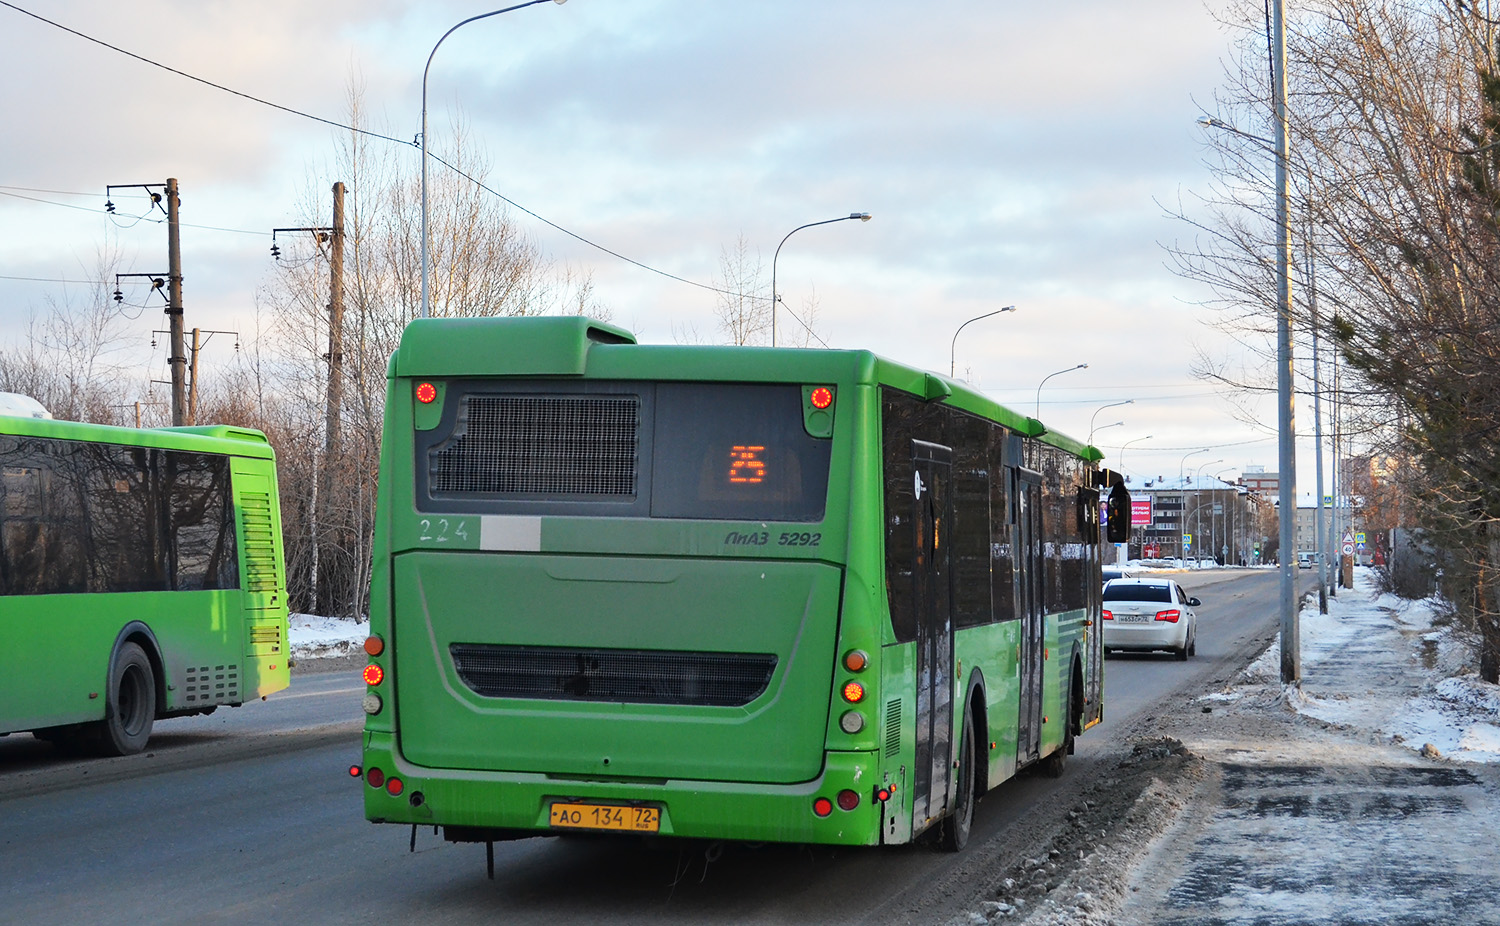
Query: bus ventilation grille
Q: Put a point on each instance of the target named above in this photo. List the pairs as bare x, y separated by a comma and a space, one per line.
633, 676
260, 542
540, 445
892, 728
211, 684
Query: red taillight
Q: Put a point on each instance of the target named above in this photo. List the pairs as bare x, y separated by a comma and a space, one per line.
393, 786
426, 393
375, 777
854, 692
355, 771
848, 800
1171, 615
374, 645
374, 675
882, 794
822, 807
821, 397
1109, 615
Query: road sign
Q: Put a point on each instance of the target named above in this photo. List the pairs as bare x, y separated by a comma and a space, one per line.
1187, 540
1348, 549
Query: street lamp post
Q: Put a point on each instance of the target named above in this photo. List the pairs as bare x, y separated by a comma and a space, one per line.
1101, 427
1133, 440
954, 346
1182, 479
424, 127
1197, 500
1101, 408
862, 216
1038, 416
1286, 495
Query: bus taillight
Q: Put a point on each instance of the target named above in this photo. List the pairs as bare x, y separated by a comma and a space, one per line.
822, 807
882, 794
374, 675
355, 771
821, 397
854, 692
426, 393
374, 645
855, 660
375, 777
393, 786
848, 800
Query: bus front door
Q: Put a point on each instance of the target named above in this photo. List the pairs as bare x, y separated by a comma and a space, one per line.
1028, 495
933, 466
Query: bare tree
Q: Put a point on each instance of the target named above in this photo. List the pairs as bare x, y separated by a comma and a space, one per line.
744, 309
1397, 176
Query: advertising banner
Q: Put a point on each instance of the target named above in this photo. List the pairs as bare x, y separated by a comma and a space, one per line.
1140, 511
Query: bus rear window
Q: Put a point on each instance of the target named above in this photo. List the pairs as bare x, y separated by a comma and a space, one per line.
699, 451
736, 452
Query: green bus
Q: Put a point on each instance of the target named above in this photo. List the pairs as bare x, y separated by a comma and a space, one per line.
807, 596
141, 577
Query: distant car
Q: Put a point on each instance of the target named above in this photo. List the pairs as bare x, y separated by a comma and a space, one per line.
1117, 572
1306, 560
1150, 614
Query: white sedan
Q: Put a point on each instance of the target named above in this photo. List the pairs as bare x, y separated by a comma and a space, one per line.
1150, 614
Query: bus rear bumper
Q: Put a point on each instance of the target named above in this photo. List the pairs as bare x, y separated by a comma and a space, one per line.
474, 803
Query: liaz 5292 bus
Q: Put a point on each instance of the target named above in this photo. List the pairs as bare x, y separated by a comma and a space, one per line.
729, 593
140, 577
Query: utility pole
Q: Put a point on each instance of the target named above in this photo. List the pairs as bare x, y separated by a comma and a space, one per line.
178, 360
1291, 652
178, 357
335, 326
334, 237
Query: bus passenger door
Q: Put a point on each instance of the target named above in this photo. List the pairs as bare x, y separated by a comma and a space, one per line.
1031, 610
932, 595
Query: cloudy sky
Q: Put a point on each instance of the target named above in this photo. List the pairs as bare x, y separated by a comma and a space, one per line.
1010, 152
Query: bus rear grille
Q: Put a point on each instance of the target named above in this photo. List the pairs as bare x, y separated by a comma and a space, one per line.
540, 445
634, 676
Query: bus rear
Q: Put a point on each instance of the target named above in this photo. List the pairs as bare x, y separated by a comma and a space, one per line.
608, 589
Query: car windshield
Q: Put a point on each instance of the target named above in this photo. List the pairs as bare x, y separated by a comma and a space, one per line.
1131, 591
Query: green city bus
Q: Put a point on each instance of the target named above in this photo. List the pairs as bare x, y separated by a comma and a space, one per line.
807, 596
141, 577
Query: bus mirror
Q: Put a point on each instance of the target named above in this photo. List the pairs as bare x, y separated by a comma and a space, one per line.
1117, 515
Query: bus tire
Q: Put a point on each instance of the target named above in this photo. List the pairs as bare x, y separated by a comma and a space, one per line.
131, 706
956, 826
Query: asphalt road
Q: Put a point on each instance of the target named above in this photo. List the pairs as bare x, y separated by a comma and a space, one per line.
250, 815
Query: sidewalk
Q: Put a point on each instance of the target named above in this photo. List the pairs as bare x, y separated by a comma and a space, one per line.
1370, 795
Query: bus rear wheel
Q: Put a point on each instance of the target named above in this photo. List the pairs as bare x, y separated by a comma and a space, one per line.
956, 827
1056, 763
131, 708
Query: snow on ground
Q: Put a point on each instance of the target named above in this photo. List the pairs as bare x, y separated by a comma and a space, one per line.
1437, 701
314, 637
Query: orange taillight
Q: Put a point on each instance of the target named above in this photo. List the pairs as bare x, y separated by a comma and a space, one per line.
855, 660
374, 645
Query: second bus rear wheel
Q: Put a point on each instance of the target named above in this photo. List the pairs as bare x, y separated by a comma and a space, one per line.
131, 706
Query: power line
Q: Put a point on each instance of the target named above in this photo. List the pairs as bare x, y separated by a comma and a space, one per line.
366, 132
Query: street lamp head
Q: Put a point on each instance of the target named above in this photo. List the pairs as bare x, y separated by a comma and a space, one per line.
862, 216
1082, 366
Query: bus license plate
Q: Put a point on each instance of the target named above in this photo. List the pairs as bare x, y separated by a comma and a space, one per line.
605, 817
